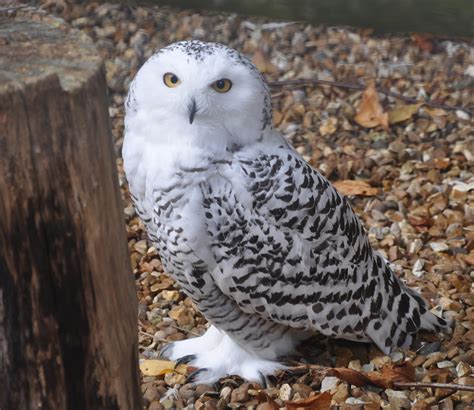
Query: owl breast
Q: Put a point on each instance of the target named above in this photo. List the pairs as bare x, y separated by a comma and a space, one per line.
174, 218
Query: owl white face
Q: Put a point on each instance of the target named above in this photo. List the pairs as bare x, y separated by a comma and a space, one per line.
191, 85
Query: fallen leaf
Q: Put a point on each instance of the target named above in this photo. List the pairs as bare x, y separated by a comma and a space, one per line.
262, 62
435, 112
352, 187
370, 113
399, 373
402, 113
321, 401
423, 41
350, 376
161, 367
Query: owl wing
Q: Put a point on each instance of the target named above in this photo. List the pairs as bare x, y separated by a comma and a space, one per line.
289, 248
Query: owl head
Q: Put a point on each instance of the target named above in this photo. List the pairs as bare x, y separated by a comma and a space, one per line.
202, 89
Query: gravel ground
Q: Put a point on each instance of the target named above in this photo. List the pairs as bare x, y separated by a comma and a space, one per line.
420, 214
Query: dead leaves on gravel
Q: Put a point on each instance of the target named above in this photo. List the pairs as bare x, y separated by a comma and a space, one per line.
370, 113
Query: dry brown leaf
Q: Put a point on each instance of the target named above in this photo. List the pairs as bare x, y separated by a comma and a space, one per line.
399, 373
370, 113
352, 187
402, 113
424, 41
262, 62
350, 376
321, 401
391, 373
161, 367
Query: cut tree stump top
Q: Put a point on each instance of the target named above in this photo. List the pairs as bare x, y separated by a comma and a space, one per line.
43, 48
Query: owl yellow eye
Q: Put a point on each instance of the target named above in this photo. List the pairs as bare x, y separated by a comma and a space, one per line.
171, 80
222, 86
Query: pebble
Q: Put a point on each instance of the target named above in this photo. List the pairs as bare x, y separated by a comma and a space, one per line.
330, 383
173, 378
429, 348
397, 357
240, 394
433, 358
398, 399
353, 400
355, 365
463, 369
285, 392
445, 364
226, 393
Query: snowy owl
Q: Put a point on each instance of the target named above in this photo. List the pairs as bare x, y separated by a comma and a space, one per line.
263, 244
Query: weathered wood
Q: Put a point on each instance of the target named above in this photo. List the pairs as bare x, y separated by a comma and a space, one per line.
68, 321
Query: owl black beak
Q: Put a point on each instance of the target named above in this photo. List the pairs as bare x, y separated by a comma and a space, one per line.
192, 110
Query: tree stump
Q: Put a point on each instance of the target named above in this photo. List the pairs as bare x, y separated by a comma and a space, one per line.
68, 309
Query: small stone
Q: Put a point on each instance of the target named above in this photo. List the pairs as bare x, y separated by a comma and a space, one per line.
469, 70
462, 115
429, 348
129, 211
418, 360
204, 388
439, 246
155, 405
380, 361
444, 364
434, 358
368, 367
285, 392
329, 383
151, 394
174, 378
226, 393
355, 365
418, 268
141, 246
448, 304
240, 394
463, 369
397, 357
187, 391
183, 316
398, 399
170, 295
302, 389
353, 400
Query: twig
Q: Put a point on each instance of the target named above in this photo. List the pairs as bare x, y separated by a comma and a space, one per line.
354, 86
396, 385
185, 331
451, 386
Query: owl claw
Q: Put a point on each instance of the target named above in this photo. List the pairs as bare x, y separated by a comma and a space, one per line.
166, 350
185, 359
192, 378
263, 380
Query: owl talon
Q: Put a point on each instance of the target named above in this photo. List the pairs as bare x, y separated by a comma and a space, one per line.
185, 359
192, 378
166, 350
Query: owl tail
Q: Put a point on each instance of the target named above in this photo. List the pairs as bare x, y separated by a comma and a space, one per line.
403, 314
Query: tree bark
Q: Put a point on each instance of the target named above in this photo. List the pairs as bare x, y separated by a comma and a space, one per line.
68, 309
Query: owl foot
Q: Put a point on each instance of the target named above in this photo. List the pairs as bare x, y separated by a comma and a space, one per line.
184, 350
222, 359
